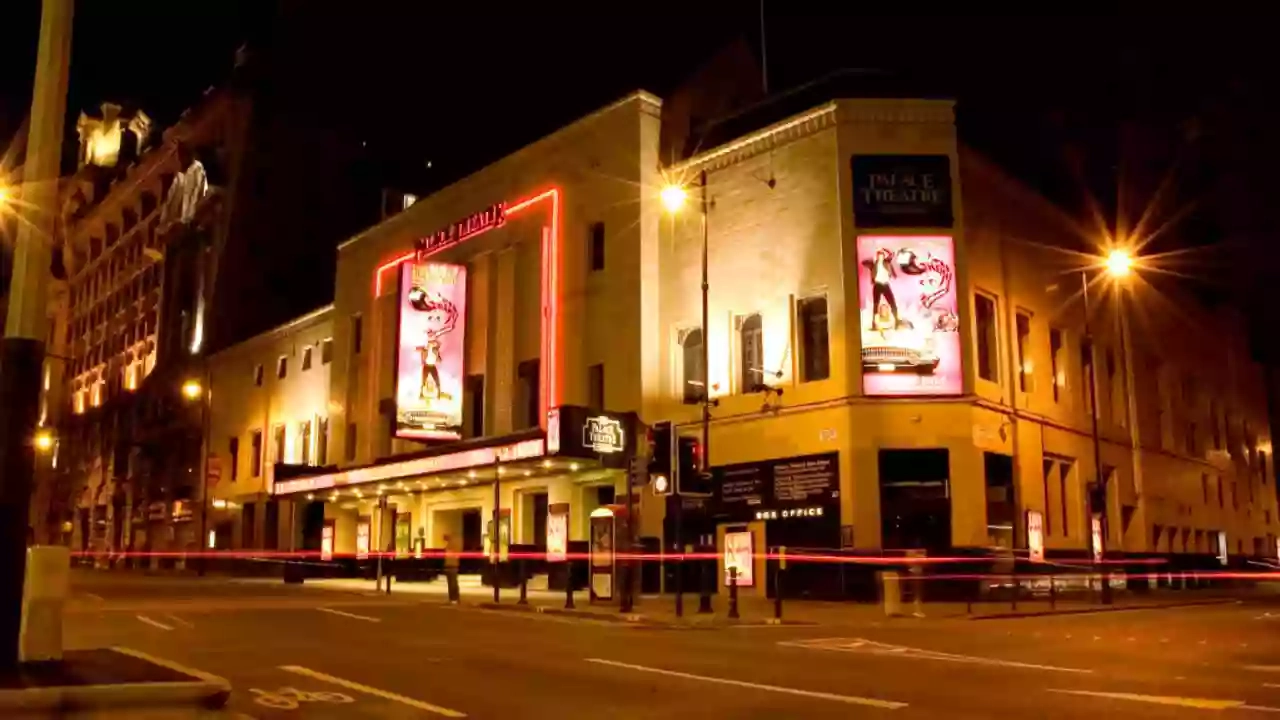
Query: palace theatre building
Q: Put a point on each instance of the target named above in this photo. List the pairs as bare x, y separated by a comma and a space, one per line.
893, 365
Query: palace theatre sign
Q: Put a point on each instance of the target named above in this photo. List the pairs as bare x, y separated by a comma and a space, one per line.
474, 224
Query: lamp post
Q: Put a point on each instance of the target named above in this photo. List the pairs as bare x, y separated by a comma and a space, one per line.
1117, 265
673, 198
193, 390
22, 350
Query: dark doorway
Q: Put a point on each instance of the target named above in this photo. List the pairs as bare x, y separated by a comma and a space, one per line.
1001, 506
271, 525
540, 521
915, 499
472, 542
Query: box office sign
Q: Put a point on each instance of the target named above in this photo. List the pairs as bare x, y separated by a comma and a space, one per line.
805, 481
902, 191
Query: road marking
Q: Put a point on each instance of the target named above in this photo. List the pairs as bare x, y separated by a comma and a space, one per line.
1270, 685
1199, 703
384, 694
848, 699
1263, 668
366, 618
93, 596
287, 698
180, 621
153, 623
878, 648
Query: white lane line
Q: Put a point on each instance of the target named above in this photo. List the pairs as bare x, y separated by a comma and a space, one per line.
1263, 668
1271, 685
180, 621
1198, 703
859, 645
384, 694
366, 618
93, 596
153, 623
847, 699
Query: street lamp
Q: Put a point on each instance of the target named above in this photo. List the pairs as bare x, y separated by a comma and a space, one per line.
43, 440
1116, 265
673, 199
194, 390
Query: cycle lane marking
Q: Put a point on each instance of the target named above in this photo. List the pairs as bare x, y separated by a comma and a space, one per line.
369, 690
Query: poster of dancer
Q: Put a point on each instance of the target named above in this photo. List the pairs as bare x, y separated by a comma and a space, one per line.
908, 315
429, 360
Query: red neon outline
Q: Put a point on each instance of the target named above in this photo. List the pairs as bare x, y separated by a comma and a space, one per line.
551, 330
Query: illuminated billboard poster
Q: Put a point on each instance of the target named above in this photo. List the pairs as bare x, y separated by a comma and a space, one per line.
739, 553
429, 363
907, 309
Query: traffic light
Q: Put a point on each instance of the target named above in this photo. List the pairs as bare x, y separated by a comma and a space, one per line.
690, 479
660, 458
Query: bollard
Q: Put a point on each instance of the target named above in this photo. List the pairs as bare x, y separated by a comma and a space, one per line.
680, 581
524, 585
568, 585
1053, 592
704, 599
389, 576
733, 593
777, 586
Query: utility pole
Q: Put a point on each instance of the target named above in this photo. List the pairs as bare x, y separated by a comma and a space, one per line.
1099, 477
23, 348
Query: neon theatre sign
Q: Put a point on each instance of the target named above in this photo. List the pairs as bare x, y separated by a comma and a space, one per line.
474, 224
603, 434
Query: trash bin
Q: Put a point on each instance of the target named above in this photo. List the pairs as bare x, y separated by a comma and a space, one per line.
44, 593
891, 584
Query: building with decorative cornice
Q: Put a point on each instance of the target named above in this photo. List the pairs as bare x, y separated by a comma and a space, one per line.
894, 349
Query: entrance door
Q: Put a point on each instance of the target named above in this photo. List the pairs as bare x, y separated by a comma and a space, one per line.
915, 499
472, 542
539, 509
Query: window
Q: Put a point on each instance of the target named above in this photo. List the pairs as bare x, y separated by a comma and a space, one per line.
815, 353
984, 312
474, 392
278, 442
256, 443
1262, 465
282, 367
595, 245
750, 353
1086, 374
595, 387
306, 358
1215, 424
1026, 366
322, 441
1048, 468
1204, 487
691, 368
1064, 471
527, 387
326, 351
233, 450
357, 334
351, 442
1221, 504
304, 440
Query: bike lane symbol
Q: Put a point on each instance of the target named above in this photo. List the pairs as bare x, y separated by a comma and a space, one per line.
289, 698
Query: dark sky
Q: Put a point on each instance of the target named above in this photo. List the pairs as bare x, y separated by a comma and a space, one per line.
1077, 106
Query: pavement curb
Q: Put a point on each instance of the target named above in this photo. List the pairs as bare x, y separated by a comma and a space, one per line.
205, 691
640, 620
1098, 610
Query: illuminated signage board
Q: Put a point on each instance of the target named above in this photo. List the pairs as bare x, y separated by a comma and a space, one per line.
1096, 537
558, 532
1035, 535
362, 539
908, 315
788, 513
429, 360
739, 550
491, 217
604, 435
901, 191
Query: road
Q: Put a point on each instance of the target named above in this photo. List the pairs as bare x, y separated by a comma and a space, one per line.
293, 652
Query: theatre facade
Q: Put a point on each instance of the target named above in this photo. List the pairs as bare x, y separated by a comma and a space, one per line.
890, 363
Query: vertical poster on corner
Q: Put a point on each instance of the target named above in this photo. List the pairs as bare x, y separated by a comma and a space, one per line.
429, 359
908, 314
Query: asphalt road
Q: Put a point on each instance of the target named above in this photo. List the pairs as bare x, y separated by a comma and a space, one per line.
305, 653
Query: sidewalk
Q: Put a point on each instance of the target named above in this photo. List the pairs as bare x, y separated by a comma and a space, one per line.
655, 610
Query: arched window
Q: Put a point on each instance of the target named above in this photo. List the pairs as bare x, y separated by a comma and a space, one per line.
751, 347
692, 387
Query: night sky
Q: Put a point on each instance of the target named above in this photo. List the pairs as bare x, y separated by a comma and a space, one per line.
1099, 107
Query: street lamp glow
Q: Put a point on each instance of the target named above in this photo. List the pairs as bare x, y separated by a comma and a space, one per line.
5, 194
673, 197
1119, 263
192, 389
43, 440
